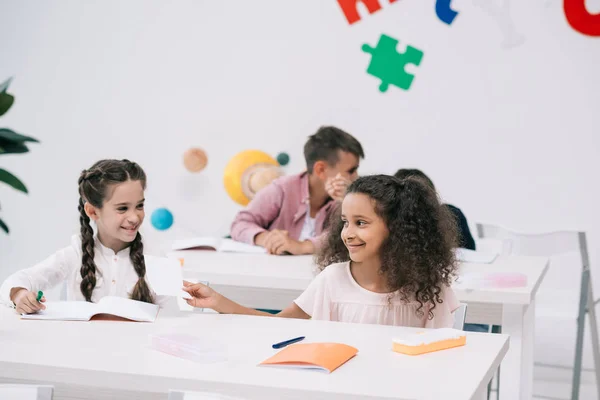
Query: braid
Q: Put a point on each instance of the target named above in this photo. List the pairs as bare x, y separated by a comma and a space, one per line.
141, 291
88, 267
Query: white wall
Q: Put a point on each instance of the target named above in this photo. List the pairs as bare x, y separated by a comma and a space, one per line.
508, 135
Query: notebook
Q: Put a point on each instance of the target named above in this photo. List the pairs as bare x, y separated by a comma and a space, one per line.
479, 257
84, 311
325, 357
217, 244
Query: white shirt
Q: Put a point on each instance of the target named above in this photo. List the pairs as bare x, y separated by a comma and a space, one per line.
308, 229
334, 295
115, 274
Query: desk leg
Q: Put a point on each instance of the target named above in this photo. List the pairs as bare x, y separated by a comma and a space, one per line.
516, 381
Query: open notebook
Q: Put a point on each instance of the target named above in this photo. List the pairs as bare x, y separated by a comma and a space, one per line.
84, 311
216, 244
321, 356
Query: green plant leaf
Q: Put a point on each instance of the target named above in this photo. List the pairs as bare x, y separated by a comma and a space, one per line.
4, 227
4, 85
12, 136
12, 180
6, 102
13, 148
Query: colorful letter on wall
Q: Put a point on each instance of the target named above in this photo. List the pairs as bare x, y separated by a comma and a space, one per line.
581, 19
444, 11
351, 12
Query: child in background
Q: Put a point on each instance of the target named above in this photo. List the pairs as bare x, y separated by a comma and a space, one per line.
388, 259
465, 239
288, 215
109, 264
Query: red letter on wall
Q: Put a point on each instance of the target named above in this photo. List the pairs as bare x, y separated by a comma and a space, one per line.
349, 8
580, 18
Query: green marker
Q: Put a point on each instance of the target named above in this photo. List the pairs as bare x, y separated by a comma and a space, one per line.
39, 296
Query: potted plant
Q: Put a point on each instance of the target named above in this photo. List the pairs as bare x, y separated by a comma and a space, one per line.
10, 142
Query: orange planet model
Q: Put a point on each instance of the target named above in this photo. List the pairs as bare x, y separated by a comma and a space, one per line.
248, 172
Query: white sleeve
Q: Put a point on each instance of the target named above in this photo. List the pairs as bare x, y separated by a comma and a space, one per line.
315, 300
443, 314
43, 276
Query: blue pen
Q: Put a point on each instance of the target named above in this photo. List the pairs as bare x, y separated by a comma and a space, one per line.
287, 342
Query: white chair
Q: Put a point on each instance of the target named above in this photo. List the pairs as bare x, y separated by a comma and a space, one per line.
459, 317
565, 293
187, 395
26, 392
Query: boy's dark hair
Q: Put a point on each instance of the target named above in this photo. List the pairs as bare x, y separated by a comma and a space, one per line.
94, 186
325, 144
418, 255
404, 173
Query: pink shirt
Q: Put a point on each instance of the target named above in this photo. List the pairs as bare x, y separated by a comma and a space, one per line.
334, 295
283, 205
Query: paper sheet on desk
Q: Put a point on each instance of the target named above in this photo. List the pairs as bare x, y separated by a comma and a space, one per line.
491, 280
25, 392
203, 396
165, 276
479, 257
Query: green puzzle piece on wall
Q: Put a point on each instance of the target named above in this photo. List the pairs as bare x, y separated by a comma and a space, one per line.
388, 65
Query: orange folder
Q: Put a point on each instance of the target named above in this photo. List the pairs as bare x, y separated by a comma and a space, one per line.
322, 356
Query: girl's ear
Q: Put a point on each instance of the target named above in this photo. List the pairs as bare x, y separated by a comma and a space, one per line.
91, 211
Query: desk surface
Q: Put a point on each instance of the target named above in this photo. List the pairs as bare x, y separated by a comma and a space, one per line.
115, 355
263, 271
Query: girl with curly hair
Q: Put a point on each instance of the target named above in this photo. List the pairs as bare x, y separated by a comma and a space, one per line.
108, 262
388, 259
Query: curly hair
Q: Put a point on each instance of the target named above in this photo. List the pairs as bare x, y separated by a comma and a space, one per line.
94, 185
417, 257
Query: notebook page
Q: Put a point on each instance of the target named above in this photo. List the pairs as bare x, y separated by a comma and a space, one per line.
65, 311
228, 245
127, 308
298, 366
210, 243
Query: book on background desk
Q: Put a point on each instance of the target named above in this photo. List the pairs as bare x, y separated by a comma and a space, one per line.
132, 310
216, 244
325, 357
479, 257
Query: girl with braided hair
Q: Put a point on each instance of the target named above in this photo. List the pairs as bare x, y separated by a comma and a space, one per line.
109, 262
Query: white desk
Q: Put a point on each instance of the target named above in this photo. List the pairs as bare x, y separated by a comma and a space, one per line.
273, 282
111, 360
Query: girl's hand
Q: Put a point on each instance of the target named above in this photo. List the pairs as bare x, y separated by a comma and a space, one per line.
202, 296
27, 303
